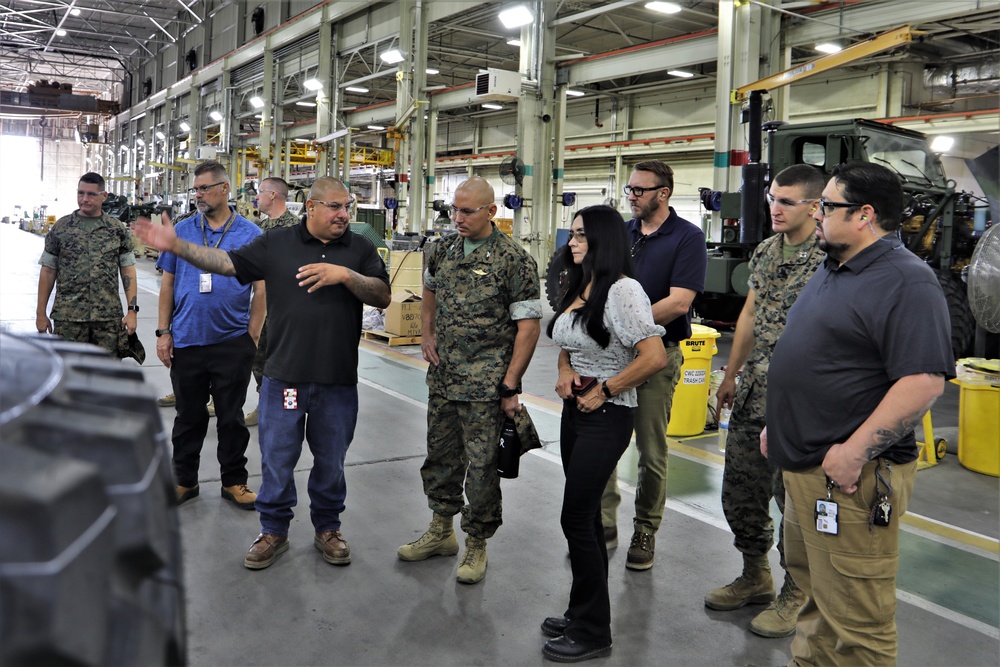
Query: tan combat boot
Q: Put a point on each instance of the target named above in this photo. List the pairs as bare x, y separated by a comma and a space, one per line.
754, 586
472, 569
778, 620
439, 540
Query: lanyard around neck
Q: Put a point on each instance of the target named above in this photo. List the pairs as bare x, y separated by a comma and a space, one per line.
204, 234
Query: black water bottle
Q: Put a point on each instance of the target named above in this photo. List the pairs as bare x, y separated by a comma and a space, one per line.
509, 455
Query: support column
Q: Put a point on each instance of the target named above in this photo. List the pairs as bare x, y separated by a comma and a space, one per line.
323, 95
266, 122
404, 97
558, 166
724, 110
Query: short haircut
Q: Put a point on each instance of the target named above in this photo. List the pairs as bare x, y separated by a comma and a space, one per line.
875, 185
326, 184
212, 167
661, 169
93, 179
809, 177
278, 185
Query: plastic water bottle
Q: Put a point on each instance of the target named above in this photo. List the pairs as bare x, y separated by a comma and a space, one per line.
724, 414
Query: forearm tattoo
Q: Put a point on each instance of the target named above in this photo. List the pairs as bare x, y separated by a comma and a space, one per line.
133, 302
126, 281
212, 260
370, 291
887, 437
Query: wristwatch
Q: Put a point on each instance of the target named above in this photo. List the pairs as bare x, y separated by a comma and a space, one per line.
163, 332
507, 392
605, 390
134, 309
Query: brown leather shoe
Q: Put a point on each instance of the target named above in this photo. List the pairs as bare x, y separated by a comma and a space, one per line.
334, 547
240, 495
264, 549
186, 493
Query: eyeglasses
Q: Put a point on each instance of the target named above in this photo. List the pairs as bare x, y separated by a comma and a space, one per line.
785, 202
638, 245
266, 192
579, 235
638, 192
335, 206
203, 189
466, 212
82, 193
828, 207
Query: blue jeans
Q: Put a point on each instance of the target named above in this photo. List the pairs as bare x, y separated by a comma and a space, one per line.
326, 415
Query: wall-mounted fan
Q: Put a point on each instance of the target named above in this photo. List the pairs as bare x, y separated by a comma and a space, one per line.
984, 281
512, 171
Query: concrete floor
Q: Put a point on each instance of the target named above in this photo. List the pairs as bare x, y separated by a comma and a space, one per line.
382, 611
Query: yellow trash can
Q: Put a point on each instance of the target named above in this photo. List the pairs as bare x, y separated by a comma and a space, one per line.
690, 406
979, 415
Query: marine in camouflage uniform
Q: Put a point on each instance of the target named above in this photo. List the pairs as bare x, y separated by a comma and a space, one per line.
84, 258
479, 300
286, 219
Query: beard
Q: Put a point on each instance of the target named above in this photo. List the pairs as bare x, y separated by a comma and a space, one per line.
646, 212
834, 250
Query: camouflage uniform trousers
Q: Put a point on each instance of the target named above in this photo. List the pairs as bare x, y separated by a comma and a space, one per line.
462, 441
748, 484
104, 334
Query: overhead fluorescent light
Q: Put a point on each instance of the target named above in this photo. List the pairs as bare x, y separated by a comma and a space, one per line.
215, 115
829, 47
185, 127
376, 127
663, 7
305, 104
60, 32
139, 141
432, 71
313, 84
259, 116
75, 11
942, 143
392, 57
575, 93
514, 42
681, 73
160, 136
515, 17
356, 89
256, 102
493, 107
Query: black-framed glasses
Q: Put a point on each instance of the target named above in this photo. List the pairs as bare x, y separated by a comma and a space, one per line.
785, 202
335, 206
203, 189
83, 193
639, 245
466, 212
638, 191
579, 234
828, 207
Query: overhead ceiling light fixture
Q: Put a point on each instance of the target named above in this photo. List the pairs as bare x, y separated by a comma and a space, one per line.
681, 73
305, 104
492, 107
313, 84
259, 116
160, 136
215, 115
356, 89
256, 102
514, 42
942, 143
185, 127
75, 11
392, 57
376, 127
60, 32
432, 71
575, 93
829, 47
663, 7
139, 141
515, 17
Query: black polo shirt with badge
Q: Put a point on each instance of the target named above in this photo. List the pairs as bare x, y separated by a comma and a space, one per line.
311, 338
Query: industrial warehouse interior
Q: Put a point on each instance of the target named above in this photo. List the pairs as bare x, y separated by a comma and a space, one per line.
403, 100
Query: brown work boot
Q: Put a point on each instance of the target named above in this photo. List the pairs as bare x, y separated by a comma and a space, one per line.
167, 401
754, 586
240, 495
264, 550
438, 540
334, 547
472, 569
186, 493
640, 551
251, 418
779, 619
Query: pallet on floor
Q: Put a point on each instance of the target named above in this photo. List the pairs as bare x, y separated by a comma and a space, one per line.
390, 339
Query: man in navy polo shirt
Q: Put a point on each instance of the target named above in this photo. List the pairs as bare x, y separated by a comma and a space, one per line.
207, 337
318, 275
670, 259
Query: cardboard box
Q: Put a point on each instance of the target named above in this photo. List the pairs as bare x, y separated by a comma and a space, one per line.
402, 317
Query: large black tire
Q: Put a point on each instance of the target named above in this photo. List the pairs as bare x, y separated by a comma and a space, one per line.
90, 573
555, 280
963, 326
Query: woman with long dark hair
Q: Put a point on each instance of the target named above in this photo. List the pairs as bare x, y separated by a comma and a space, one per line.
610, 345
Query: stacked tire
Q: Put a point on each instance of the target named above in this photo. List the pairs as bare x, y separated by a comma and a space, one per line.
90, 569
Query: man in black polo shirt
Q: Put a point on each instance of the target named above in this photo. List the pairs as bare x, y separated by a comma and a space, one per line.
670, 259
864, 354
317, 276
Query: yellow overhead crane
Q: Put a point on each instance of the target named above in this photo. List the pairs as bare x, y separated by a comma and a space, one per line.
360, 155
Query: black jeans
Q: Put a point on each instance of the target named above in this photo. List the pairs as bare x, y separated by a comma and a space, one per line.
590, 444
224, 370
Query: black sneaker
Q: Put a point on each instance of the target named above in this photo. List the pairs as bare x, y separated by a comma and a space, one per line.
640, 551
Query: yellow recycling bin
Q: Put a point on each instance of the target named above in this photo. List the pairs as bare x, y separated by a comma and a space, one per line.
978, 415
690, 406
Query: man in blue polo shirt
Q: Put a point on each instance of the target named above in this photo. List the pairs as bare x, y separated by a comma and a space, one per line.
207, 337
670, 259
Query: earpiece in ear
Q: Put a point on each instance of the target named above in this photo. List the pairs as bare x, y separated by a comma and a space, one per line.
865, 218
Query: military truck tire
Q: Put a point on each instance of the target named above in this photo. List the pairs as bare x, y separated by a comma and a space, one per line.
963, 326
555, 278
90, 570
